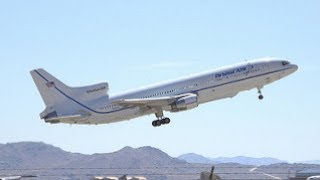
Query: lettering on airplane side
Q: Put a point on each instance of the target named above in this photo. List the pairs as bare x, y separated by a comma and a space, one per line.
230, 72
96, 89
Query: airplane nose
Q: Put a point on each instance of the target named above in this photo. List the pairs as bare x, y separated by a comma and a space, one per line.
294, 67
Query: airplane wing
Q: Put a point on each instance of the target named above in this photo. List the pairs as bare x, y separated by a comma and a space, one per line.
149, 102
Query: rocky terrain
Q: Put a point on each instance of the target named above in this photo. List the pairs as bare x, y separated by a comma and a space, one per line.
48, 162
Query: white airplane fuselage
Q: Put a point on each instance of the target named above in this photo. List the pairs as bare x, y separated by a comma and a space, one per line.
204, 87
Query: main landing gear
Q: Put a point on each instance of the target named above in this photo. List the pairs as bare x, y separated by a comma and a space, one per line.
260, 94
161, 120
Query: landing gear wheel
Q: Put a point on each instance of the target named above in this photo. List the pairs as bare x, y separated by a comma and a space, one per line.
158, 123
154, 124
260, 97
166, 121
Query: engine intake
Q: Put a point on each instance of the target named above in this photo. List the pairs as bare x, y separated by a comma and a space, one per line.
185, 103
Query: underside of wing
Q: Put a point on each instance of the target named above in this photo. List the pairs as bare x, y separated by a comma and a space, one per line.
151, 102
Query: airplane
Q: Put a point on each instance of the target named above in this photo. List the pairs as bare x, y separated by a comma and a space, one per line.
93, 105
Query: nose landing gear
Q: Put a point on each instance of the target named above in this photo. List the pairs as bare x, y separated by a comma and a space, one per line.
260, 94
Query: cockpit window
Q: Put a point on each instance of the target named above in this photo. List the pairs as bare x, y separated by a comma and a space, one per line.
285, 63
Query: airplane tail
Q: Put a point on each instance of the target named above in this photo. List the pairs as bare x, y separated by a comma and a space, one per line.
64, 102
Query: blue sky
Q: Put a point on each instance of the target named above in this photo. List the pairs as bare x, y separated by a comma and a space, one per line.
134, 43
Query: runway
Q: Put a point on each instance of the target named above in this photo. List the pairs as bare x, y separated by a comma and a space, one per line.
269, 175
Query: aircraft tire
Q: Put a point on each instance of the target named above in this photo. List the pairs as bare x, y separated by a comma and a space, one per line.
154, 123
260, 97
166, 120
158, 123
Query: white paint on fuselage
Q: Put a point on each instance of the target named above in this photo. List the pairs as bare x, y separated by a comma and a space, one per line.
209, 86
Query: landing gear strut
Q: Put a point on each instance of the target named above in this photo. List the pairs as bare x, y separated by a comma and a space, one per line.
260, 94
161, 120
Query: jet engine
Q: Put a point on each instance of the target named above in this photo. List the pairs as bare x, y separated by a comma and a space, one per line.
185, 103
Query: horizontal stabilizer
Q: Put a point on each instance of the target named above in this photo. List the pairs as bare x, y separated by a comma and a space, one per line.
71, 118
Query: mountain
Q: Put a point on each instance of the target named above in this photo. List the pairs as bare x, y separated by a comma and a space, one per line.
248, 160
128, 157
38, 154
30, 154
49, 162
195, 158
310, 162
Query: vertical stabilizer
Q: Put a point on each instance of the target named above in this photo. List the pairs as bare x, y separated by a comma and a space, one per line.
46, 84
63, 101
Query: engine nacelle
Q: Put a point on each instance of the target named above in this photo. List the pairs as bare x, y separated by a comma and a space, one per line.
185, 103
